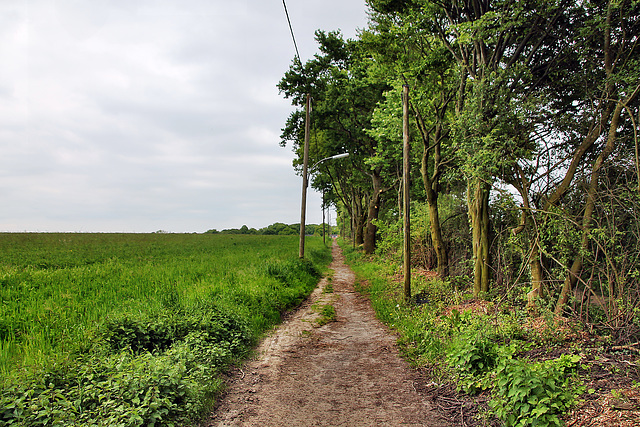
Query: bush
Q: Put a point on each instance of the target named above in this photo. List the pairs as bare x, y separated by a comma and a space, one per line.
120, 390
146, 370
158, 332
473, 357
533, 394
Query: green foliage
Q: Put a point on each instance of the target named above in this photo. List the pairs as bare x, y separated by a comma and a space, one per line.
436, 292
138, 332
158, 332
455, 230
344, 97
473, 356
327, 314
280, 229
534, 393
120, 389
275, 229
478, 351
390, 243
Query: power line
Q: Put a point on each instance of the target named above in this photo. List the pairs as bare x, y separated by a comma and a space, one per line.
291, 29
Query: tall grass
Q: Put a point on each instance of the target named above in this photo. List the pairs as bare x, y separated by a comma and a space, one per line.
66, 297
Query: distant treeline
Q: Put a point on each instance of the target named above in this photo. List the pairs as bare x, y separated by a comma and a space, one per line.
278, 229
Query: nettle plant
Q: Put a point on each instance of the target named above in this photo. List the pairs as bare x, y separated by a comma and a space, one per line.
534, 394
473, 357
524, 393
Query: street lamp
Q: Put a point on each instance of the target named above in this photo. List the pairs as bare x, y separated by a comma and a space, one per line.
305, 182
337, 156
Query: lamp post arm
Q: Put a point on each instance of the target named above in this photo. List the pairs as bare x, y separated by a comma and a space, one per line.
337, 156
305, 176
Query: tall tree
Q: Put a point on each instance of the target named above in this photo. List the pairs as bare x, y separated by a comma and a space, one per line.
496, 46
344, 100
406, 53
613, 36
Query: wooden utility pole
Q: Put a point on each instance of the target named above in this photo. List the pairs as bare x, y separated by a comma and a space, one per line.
324, 240
405, 188
353, 222
305, 178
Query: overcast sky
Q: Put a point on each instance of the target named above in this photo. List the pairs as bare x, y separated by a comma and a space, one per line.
145, 115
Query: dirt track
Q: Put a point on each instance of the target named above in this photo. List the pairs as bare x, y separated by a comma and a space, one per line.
346, 373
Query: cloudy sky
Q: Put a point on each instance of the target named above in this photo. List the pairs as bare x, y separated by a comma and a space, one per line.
141, 115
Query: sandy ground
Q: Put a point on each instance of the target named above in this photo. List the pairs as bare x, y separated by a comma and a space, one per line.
345, 373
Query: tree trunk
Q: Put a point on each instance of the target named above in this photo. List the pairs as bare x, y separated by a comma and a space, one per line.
537, 274
572, 277
523, 185
434, 219
372, 215
431, 190
358, 221
478, 205
438, 242
359, 229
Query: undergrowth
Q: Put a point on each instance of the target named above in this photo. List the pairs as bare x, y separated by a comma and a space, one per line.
479, 344
143, 371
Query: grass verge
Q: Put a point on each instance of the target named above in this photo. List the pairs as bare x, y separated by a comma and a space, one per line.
528, 371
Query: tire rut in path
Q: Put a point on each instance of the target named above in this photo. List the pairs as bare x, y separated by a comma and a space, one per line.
346, 373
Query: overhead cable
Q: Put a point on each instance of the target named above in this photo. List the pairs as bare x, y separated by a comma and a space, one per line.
291, 29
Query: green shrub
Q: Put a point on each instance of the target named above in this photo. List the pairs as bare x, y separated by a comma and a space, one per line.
473, 356
158, 332
121, 390
533, 393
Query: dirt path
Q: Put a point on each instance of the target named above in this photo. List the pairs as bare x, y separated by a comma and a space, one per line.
347, 372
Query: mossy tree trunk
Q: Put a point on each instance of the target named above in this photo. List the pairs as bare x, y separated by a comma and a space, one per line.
431, 190
478, 205
371, 230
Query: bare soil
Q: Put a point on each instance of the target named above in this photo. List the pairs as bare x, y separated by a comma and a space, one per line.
347, 372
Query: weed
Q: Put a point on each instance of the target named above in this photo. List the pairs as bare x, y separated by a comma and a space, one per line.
473, 356
328, 288
536, 393
327, 314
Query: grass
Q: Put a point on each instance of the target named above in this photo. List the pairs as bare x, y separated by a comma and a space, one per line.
328, 288
477, 345
101, 312
327, 314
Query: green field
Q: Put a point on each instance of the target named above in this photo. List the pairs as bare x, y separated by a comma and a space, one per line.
134, 329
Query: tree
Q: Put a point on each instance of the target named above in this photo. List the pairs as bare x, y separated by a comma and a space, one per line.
344, 100
614, 33
407, 54
496, 47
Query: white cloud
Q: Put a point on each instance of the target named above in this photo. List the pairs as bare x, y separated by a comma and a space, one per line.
136, 116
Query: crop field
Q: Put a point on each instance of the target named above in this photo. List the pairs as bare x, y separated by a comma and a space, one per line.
134, 329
